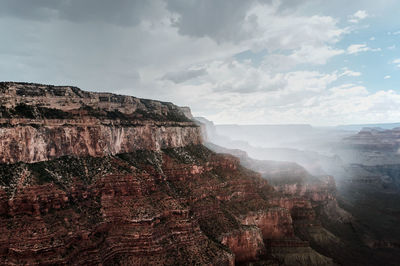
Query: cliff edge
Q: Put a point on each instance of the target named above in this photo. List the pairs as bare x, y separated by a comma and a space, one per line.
42, 122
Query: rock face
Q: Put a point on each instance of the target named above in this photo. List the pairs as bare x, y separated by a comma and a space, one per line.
100, 210
116, 180
39, 122
375, 139
371, 146
304, 202
247, 244
29, 144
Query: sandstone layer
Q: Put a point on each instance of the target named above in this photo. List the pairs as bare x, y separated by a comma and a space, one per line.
41, 122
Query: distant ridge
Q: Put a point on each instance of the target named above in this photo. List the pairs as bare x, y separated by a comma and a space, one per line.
361, 126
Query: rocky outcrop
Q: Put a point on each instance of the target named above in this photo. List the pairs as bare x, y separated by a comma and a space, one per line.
371, 147
67, 98
375, 139
247, 244
32, 144
39, 122
275, 223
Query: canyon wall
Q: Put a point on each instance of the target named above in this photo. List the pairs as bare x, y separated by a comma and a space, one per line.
117, 180
32, 144
40, 122
174, 206
371, 146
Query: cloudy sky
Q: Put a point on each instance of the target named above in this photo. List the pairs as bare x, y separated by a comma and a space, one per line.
231, 61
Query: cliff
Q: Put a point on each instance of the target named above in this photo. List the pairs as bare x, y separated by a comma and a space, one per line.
41, 122
371, 146
309, 211
106, 179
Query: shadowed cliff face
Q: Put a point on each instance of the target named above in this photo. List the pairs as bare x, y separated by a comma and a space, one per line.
118, 180
371, 147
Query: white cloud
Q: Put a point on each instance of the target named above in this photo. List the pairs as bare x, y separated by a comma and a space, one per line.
278, 32
315, 55
304, 55
350, 73
387, 77
344, 104
232, 76
358, 16
239, 92
372, 38
181, 57
396, 62
392, 47
358, 48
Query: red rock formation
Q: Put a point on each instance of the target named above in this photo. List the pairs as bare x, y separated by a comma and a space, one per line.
275, 223
144, 207
121, 180
39, 123
247, 244
127, 218
30, 144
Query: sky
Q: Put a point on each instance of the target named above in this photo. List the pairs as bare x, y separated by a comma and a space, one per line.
234, 62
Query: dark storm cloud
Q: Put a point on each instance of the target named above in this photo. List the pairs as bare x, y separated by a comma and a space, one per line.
220, 20
120, 12
38, 10
286, 5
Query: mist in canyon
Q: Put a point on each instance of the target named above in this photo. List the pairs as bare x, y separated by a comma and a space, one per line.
363, 161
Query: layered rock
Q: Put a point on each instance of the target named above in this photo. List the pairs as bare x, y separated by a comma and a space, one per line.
247, 243
371, 147
39, 122
275, 223
302, 200
109, 179
182, 205
101, 210
375, 139
32, 144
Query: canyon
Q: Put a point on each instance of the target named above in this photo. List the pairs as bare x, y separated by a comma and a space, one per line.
97, 178
363, 165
